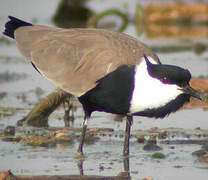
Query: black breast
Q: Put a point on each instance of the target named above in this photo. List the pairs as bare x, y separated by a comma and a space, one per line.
165, 110
112, 93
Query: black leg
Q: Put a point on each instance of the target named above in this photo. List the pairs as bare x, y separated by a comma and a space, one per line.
84, 129
80, 166
129, 121
126, 166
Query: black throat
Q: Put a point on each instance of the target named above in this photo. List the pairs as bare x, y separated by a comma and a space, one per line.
112, 93
165, 110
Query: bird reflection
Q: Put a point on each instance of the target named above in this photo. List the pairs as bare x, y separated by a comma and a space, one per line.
122, 175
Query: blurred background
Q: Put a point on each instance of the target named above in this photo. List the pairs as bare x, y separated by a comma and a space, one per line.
177, 30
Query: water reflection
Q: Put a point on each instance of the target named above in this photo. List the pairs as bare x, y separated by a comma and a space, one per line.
178, 21
171, 20
125, 175
69, 110
72, 13
110, 19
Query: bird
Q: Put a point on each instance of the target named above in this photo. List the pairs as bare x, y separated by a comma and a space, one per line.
107, 71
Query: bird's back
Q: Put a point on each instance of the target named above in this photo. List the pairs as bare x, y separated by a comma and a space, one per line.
75, 59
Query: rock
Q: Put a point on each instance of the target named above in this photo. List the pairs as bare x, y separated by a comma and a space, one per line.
152, 144
147, 178
2, 94
6, 175
199, 153
162, 134
140, 139
152, 139
205, 147
204, 158
62, 136
9, 131
151, 147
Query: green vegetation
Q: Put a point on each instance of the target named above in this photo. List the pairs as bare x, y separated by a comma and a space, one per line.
4, 40
158, 155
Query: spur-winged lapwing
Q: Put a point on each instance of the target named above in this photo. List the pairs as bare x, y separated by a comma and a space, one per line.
107, 71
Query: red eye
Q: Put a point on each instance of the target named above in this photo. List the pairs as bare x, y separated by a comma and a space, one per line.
164, 80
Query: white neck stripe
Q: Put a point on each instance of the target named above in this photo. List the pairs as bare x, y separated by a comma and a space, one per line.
150, 92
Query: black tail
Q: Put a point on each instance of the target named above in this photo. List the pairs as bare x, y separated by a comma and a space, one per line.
12, 25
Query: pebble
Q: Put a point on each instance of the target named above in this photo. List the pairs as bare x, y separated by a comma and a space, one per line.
204, 158
199, 153
152, 147
9, 131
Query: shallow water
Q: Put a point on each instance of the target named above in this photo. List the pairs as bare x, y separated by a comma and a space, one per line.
21, 87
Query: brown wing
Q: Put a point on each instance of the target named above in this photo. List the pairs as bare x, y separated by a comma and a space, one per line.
75, 59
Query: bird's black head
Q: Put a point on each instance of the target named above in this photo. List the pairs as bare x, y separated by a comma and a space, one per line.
167, 94
169, 74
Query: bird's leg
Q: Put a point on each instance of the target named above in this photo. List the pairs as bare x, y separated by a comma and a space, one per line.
80, 166
129, 122
126, 166
84, 128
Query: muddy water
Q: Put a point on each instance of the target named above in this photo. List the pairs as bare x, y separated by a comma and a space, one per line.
22, 81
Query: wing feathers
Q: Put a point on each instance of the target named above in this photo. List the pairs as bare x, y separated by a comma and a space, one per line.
76, 59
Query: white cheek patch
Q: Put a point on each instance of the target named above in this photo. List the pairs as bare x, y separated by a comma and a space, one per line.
150, 92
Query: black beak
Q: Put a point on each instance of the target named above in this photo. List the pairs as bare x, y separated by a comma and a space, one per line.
194, 93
